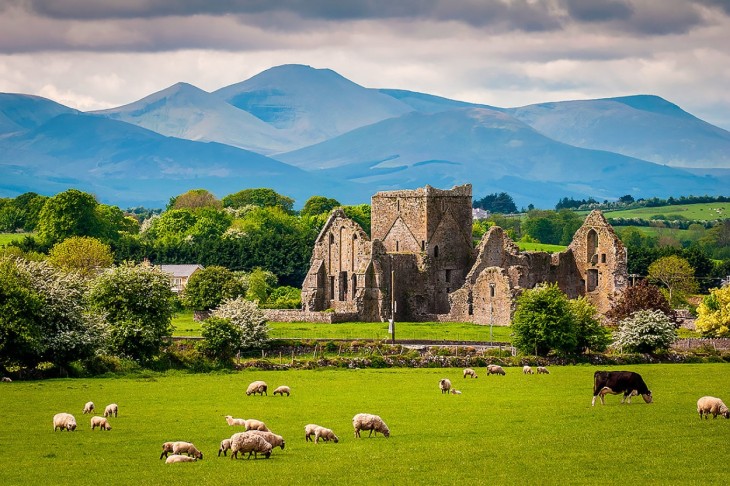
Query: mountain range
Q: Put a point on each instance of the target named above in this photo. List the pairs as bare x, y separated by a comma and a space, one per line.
305, 131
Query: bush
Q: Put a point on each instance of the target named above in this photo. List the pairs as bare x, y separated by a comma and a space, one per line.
221, 338
646, 331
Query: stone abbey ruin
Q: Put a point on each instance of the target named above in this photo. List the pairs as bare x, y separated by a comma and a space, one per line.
421, 263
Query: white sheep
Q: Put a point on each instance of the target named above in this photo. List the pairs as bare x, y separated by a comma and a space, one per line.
253, 444
89, 407
175, 459
712, 405
373, 423
270, 437
225, 447
257, 387
541, 370
455, 391
180, 447
325, 434
309, 430
100, 422
470, 372
235, 421
64, 421
444, 385
281, 390
253, 424
527, 370
495, 370
111, 409
6, 379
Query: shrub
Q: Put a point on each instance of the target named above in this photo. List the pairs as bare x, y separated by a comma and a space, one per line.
646, 331
249, 318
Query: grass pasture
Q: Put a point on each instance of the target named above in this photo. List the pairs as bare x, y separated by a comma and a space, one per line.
540, 247
513, 429
6, 238
701, 211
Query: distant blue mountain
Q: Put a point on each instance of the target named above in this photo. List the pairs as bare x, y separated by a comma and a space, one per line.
20, 112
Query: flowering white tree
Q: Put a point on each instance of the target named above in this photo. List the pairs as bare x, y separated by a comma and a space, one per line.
646, 331
248, 317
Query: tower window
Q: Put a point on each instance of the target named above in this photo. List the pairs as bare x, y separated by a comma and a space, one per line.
436, 251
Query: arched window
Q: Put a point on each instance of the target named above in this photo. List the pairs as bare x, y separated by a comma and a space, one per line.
592, 246
436, 251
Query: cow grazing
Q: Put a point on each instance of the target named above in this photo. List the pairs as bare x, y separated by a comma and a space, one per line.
616, 382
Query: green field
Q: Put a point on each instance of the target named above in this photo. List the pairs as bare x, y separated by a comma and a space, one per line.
703, 211
540, 247
513, 429
6, 238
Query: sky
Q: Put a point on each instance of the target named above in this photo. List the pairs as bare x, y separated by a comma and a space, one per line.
95, 54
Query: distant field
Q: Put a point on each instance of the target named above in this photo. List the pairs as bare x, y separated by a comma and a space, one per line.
6, 238
704, 211
680, 234
540, 247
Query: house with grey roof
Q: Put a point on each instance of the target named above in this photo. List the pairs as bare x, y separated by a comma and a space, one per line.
180, 274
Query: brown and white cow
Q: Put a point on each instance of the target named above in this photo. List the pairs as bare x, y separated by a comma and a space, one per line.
616, 382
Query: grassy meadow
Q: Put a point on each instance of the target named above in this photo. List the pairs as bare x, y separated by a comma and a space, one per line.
6, 238
540, 247
513, 429
702, 211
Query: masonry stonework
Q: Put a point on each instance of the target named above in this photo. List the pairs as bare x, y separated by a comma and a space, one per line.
421, 263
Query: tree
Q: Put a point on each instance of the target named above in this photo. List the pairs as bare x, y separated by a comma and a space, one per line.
260, 285
677, 276
646, 331
642, 296
70, 213
317, 205
497, 203
590, 333
361, 214
543, 322
249, 318
221, 338
208, 287
81, 254
261, 197
713, 313
196, 199
138, 303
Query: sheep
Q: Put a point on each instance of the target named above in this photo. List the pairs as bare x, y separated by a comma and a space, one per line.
527, 370
253, 444
270, 437
64, 421
253, 424
309, 430
225, 447
470, 372
455, 392
712, 405
325, 434
541, 370
257, 387
444, 385
281, 390
235, 421
110, 409
180, 447
366, 421
100, 422
89, 407
175, 459
495, 370
6, 379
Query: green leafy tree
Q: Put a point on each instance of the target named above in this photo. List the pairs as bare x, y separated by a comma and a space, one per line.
590, 333
646, 331
260, 285
172, 225
139, 306
221, 338
641, 296
317, 205
82, 254
261, 197
497, 203
713, 313
70, 213
676, 275
196, 199
30, 204
285, 297
543, 322
360, 214
11, 218
208, 287
249, 318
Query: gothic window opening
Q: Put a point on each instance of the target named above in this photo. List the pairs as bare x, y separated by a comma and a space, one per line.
592, 246
332, 288
423, 245
354, 286
448, 276
436, 251
603, 258
343, 286
397, 245
592, 275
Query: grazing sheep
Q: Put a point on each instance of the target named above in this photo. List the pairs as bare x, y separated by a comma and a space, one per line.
180, 447
527, 370
253, 424
325, 434
373, 423
6, 379
174, 459
712, 405
100, 422
111, 409
64, 421
309, 430
270, 437
89, 407
455, 392
235, 421
257, 387
444, 385
281, 390
225, 447
253, 444
470, 372
495, 370
541, 370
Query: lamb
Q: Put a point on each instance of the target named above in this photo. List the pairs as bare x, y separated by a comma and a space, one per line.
235, 421
495, 370
175, 459
527, 370
253, 424
89, 407
253, 444
64, 421
541, 370
6, 379
270, 437
257, 387
110, 409
225, 447
100, 422
712, 405
444, 385
470, 372
325, 434
180, 447
281, 390
455, 392
309, 430
366, 421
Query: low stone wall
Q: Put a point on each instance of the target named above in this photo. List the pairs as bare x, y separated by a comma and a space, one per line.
694, 343
295, 315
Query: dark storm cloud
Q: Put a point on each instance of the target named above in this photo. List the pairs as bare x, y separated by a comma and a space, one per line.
599, 10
